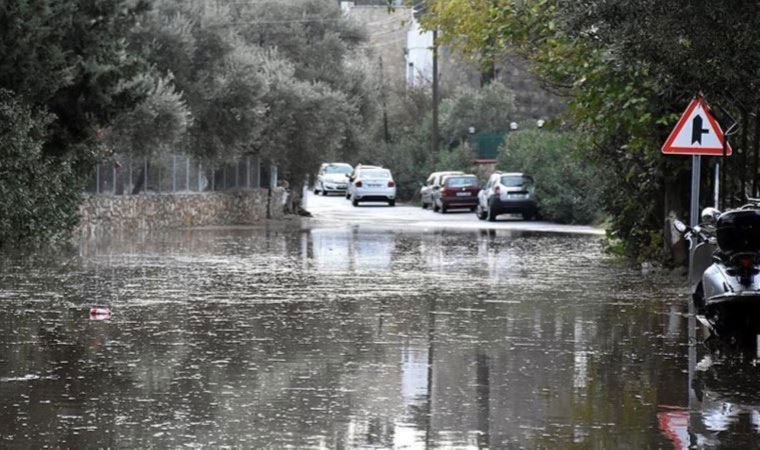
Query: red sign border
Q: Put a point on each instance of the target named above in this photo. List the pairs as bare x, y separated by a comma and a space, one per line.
668, 148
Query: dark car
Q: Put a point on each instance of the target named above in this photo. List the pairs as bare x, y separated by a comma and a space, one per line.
433, 182
456, 191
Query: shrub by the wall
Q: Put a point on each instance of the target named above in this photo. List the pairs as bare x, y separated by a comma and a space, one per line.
568, 190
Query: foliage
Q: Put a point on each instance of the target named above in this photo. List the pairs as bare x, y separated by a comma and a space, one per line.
39, 194
71, 59
459, 158
268, 78
408, 153
487, 109
66, 74
157, 124
567, 188
627, 68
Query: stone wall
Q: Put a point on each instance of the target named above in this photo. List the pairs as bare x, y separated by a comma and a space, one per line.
103, 213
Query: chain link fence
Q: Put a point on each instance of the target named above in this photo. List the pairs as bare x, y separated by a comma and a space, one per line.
125, 175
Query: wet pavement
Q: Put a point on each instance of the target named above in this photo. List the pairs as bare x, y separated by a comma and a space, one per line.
327, 335
334, 208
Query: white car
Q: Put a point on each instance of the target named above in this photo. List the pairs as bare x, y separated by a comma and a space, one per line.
332, 178
371, 184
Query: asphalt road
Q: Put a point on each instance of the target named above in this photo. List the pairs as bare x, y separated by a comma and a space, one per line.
335, 208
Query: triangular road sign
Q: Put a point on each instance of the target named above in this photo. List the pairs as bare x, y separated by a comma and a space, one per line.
696, 133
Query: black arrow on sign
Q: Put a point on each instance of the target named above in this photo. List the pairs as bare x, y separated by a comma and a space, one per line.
697, 131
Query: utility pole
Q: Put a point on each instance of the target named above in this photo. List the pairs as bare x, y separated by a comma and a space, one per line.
434, 136
383, 97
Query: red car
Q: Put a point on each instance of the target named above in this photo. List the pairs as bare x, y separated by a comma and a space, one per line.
456, 191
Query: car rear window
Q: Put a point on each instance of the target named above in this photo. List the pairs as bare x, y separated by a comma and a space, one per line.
338, 169
461, 181
516, 181
376, 174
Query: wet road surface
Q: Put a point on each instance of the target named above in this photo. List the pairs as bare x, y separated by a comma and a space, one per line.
337, 209
350, 336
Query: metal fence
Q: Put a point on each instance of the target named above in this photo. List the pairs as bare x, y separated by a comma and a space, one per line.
124, 175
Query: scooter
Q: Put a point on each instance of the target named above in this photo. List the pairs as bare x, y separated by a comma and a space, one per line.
724, 278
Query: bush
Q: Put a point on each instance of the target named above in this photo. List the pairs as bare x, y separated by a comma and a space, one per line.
458, 158
567, 189
39, 195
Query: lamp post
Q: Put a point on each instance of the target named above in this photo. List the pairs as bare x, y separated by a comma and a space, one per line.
471, 138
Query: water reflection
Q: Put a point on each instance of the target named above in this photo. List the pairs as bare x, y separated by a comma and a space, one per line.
724, 411
338, 338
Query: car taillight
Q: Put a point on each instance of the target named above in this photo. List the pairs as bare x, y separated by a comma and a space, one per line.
445, 192
497, 190
358, 184
391, 184
745, 262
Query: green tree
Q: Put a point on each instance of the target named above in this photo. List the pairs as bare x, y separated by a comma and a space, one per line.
157, 124
627, 68
567, 188
487, 109
39, 193
67, 71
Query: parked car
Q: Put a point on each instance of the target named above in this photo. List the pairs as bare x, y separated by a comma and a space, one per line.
332, 178
433, 182
456, 191
351, 176
510, 192
372, 184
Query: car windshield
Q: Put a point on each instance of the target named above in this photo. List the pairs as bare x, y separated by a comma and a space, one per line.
376, 174
516, 181
461, 181
337, 169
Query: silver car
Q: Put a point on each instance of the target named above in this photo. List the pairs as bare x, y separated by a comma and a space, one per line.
332, 178
507, 192
371, 184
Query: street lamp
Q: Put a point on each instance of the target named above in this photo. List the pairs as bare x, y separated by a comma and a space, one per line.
471, 137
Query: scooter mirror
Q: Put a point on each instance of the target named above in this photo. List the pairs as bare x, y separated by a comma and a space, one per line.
710, 216
680, 226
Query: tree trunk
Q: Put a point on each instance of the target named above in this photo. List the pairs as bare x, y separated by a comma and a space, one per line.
140, 183
294, 204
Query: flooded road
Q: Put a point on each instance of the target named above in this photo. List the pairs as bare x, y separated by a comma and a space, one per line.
330, 336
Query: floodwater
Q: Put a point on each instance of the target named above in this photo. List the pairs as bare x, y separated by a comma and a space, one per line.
356, 337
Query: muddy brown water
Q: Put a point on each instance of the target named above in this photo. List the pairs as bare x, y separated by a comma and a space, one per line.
354, 337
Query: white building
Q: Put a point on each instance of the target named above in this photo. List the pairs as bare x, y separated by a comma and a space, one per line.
419, 54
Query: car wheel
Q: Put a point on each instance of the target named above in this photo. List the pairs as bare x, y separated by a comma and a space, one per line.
528, 215
355, 202
324, 193
490, 215
443, 208
435, 207
480, 213
424, 205
348, 196
391, 202
316, 191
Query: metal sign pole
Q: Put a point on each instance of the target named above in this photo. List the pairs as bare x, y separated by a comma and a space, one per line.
716, 193
696, 165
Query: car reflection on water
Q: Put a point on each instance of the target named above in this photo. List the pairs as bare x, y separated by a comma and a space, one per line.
339, 337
